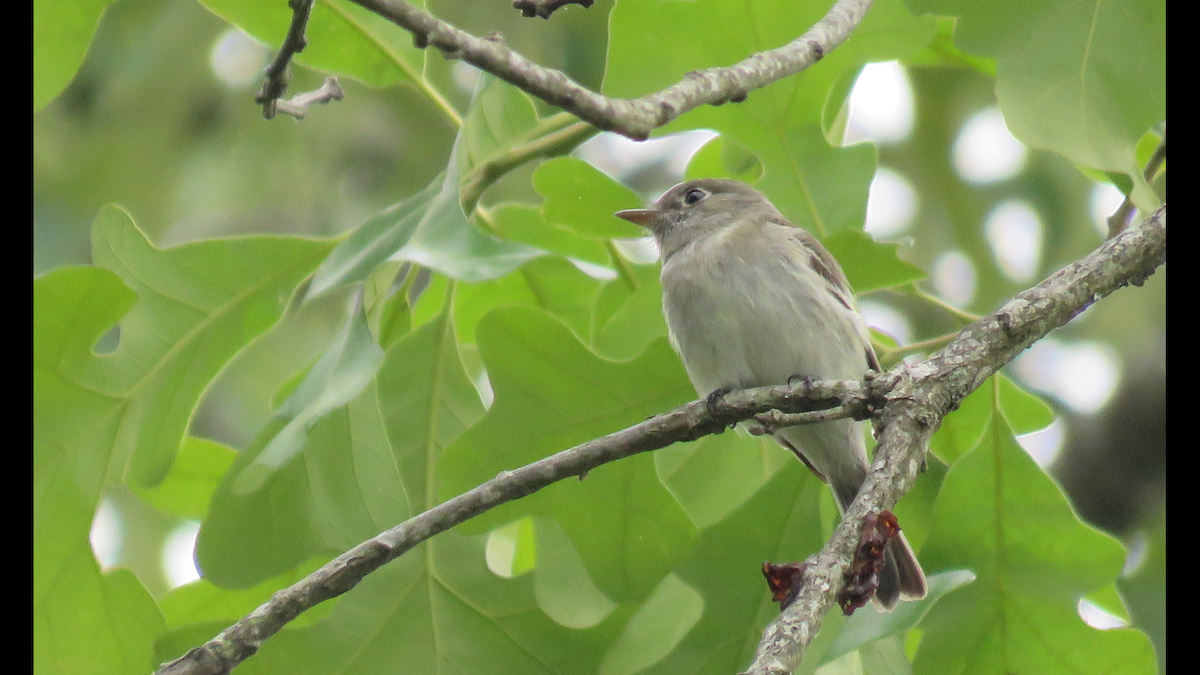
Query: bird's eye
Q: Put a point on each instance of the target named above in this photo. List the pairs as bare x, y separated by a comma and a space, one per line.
694, 196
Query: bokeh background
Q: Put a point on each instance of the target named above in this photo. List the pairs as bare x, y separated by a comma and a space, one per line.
161, 120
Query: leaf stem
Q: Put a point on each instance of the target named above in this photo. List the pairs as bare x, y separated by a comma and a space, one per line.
891, 356
439, 101
962, 315
1120, 218
555, 135
621, 265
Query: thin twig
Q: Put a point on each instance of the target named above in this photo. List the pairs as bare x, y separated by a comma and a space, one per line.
297, 106
773, 420
276, 82
634, 118
1120, 218
544, 8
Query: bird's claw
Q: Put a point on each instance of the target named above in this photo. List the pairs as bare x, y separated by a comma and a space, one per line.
807, 380
713, 397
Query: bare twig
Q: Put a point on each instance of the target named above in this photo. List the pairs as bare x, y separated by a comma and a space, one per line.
544, 8
634, 118
294, 42
297, 106
773, 420
1119, 220
919, 396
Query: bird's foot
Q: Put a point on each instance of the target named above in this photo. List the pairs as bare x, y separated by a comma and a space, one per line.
805, 380
715, 396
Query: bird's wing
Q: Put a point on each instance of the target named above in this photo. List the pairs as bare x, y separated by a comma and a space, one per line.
825, 265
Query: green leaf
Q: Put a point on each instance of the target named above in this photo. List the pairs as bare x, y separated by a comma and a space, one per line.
62, 32
498, 118
526, 224
624, 321
439, 603
1084, 79
198, 305
562, 586
89, 623
869, 624
582, 199
724, 158
184, 313
552, 393
373, 242
428, 228
1146, 147
942, 52
386, 301
187, 489
1109, 600
1143, 587
551, 284
74, 425
342, 371
714, 476
782, 522
963, 428
511, 550
657, 627
1023, 411
435, 607
355, 476
1000, 515
870, 265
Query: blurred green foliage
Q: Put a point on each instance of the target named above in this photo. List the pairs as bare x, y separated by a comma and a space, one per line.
302, 333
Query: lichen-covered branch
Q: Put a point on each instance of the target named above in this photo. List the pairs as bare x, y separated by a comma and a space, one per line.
920, 396
634, 118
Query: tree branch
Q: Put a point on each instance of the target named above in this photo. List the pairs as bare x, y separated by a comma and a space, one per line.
685, 423
294, 42
544, 8
921, 395
638, 117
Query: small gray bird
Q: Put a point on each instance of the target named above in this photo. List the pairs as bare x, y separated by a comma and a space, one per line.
752, 300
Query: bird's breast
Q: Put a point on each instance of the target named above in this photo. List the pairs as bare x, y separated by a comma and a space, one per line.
740, 322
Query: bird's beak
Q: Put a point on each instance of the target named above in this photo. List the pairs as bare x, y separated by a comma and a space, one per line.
642, 217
